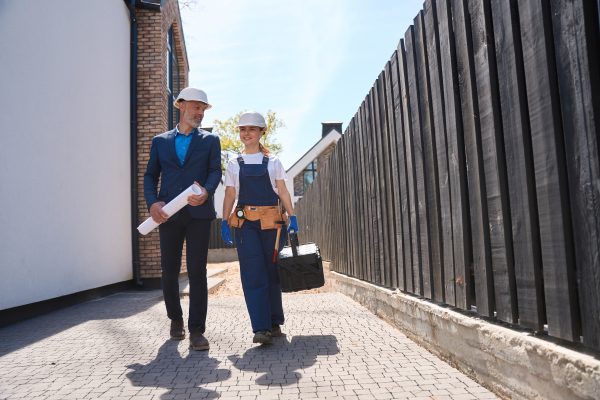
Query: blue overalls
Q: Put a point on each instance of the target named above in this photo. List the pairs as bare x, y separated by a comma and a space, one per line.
260, 280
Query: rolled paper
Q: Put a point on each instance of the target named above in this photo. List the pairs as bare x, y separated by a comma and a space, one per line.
170, 208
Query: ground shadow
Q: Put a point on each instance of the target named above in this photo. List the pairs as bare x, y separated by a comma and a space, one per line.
119, 305
180, 375
280, 362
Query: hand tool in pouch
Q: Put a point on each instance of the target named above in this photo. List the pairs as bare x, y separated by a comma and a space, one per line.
275, 250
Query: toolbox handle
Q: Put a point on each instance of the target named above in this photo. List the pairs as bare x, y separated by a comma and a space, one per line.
293, 236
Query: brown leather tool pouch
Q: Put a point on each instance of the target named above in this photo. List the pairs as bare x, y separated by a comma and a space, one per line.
272, 218
269, 217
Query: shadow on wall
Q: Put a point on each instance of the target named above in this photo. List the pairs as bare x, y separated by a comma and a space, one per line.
285, 358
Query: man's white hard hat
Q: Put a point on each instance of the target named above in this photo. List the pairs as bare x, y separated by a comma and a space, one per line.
252, 118
192, 94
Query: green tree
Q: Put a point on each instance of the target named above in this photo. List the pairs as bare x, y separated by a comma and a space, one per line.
229, 134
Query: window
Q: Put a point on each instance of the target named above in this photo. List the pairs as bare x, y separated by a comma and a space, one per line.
173, 87
310, 173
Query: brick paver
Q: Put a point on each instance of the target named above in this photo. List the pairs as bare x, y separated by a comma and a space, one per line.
117, 348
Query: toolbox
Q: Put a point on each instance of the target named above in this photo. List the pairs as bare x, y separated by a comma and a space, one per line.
300, 266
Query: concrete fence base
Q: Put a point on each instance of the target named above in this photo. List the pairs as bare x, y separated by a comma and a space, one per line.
222, 255
512, 364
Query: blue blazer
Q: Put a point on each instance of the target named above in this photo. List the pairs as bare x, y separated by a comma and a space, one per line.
202, 164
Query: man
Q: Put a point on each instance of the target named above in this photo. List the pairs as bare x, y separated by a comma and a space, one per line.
179, 158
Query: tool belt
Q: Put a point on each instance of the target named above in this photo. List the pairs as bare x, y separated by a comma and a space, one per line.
271, 217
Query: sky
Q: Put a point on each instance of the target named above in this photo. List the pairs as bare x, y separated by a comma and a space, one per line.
308, 61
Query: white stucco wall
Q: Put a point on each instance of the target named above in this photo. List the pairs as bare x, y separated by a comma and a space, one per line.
64, 148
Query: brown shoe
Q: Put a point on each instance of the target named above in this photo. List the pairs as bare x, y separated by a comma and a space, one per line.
276, 331
262, 337
177, 331
198, 341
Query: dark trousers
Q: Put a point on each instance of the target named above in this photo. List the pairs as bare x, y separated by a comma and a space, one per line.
196, 233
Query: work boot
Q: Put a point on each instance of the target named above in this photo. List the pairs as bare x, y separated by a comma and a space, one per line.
262, 337
177, 331
198, 341
276, 331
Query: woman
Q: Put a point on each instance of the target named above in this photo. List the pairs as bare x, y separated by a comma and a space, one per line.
259, 180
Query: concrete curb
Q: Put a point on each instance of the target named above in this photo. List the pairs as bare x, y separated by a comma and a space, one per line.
512, 364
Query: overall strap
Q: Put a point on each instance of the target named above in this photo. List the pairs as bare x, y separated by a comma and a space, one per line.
240, 160
265, 160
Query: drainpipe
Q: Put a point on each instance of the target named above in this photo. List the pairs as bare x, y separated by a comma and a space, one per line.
135, 252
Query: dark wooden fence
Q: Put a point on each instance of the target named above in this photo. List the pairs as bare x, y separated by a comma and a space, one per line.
470, 173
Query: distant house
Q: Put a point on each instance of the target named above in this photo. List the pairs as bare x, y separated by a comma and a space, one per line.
305, 170
85, 86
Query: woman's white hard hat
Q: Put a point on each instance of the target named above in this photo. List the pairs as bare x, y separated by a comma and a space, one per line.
192, 94
252, 118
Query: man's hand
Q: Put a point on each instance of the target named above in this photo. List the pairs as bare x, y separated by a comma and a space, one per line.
157, 213
198, 199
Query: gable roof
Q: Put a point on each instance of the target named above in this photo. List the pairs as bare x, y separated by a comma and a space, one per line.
332, 137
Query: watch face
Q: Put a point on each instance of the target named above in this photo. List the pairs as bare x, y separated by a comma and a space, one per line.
239, 213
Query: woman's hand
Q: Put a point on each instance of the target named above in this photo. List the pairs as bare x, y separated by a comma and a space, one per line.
293, 226
226, 233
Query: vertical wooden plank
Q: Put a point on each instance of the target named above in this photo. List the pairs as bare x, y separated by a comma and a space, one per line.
351, 200
328, 199
371, 224
332, 209
550, 172
397, 95
484, 293
346, 202
367, 199
519, 163
342, 198
362, 211
372, 212
412, 285
380, 197
446, 258
390, 169
323, 228
355, 182
432, 274
342, 232
336, 157
575, 41
421, 236
492, 147
393, 109
456, 161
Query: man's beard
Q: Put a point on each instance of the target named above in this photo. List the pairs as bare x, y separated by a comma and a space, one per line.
195, 122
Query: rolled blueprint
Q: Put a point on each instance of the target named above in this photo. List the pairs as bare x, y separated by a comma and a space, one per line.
170, 208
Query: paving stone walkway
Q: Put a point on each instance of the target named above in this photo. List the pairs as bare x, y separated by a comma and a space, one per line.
118, 348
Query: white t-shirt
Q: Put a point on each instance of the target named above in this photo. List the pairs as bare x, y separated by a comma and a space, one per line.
275, 168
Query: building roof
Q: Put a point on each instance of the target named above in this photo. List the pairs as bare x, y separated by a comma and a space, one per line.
150, 4
332, 137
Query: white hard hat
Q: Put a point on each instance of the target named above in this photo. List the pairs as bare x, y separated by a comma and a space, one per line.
192, 94
252, 118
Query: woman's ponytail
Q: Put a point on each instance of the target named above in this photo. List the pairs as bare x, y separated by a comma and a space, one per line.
263, 149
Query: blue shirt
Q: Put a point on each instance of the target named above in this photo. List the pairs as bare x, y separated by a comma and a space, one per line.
182, 143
